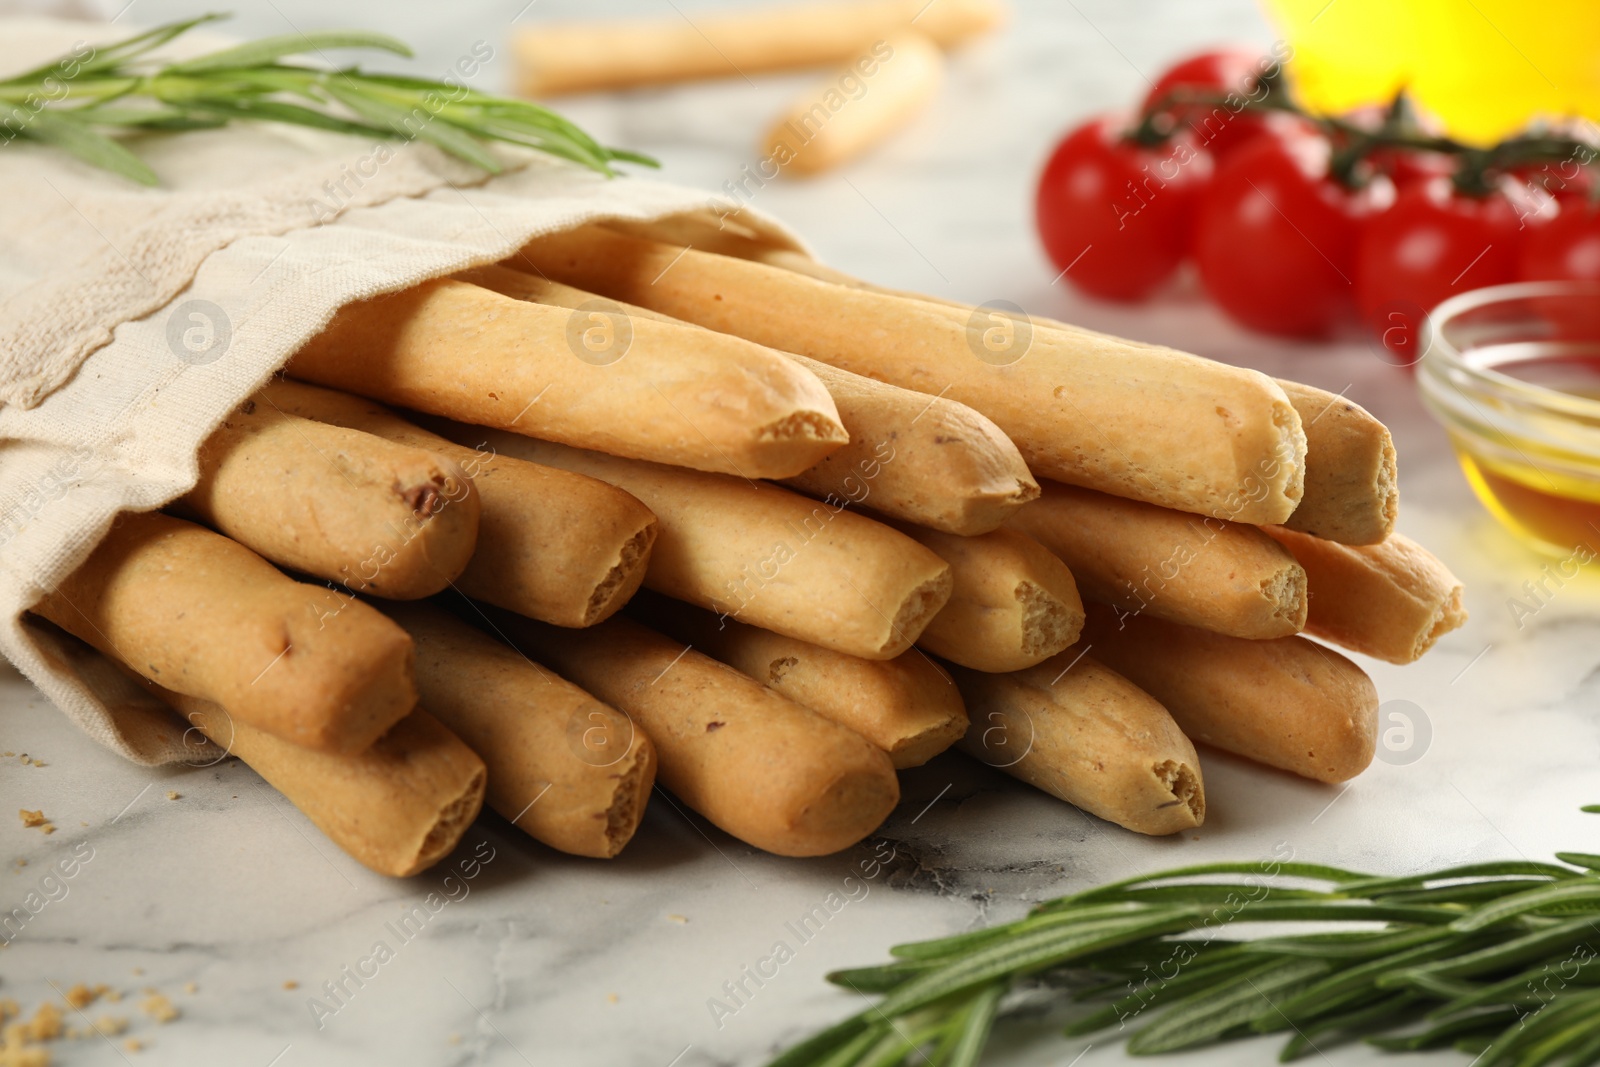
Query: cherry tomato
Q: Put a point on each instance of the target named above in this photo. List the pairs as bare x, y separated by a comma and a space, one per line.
1275, 239
1115, 216
1568, 247
1433, 243
1221, 129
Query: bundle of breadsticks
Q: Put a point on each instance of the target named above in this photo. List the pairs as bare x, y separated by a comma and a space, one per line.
862, 526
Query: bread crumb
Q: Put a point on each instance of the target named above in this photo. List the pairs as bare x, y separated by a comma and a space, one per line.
159, 1008
113, 995
133, 1044
111, 1025
680, 919
612, 998
48, 828
31, 819
455, 1039
173, 796
8, 1008
46, 1023
138, 970
291, 984
8, 755
80, 996
190, 987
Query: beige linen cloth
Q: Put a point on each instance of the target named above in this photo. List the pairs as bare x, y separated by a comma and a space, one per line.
132, 320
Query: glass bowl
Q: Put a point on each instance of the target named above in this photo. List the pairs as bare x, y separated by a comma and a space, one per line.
1513, 374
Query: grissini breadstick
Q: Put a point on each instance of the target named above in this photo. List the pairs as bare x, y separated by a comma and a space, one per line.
1013, 604
554, 58
552, 545
563, 767
766, 556
380, 517
887, 85
1223, 576
1081, 732
1289, 703
1139, 421
643, 388
195, 612
922, 459
907, 706
1391, 600
1352, 494
397, 808
768, 771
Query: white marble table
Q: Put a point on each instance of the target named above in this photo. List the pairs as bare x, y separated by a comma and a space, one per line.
545, 959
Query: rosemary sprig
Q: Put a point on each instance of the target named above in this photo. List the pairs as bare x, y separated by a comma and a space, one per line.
1498, 959
78, 100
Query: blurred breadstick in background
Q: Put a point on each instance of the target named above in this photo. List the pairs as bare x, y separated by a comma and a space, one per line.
1012, 605
1289, 703
1149, 423
1081, 732
813, 570
1392, 600
398, 807
556, 57
910, 456
191, 610
595, 379
907, 706
768, 771
872, 96
552, 545
1351, 495
1223, 576
337, 503
563, 767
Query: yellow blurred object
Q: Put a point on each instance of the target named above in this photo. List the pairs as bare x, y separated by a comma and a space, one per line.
1483, 67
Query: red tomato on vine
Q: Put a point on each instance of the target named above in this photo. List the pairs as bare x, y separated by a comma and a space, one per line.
1115, 215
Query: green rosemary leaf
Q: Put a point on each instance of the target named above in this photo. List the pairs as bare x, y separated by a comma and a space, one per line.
1525, 988
1263, 868
1547, 1022
1570, 1038
1333, 990
1443, 1035
1585, 891
1027, 953
93, 148
1136, 1003
946, 946
1379, 1015
878, 979
972, 1033
1518, 950
108, 57
1343, 945
1464, 892
1580, 859
267, 49
849, 1054
416, 122
289, 114
1205, 1017
1592, 809
1379, 886
846, 1033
